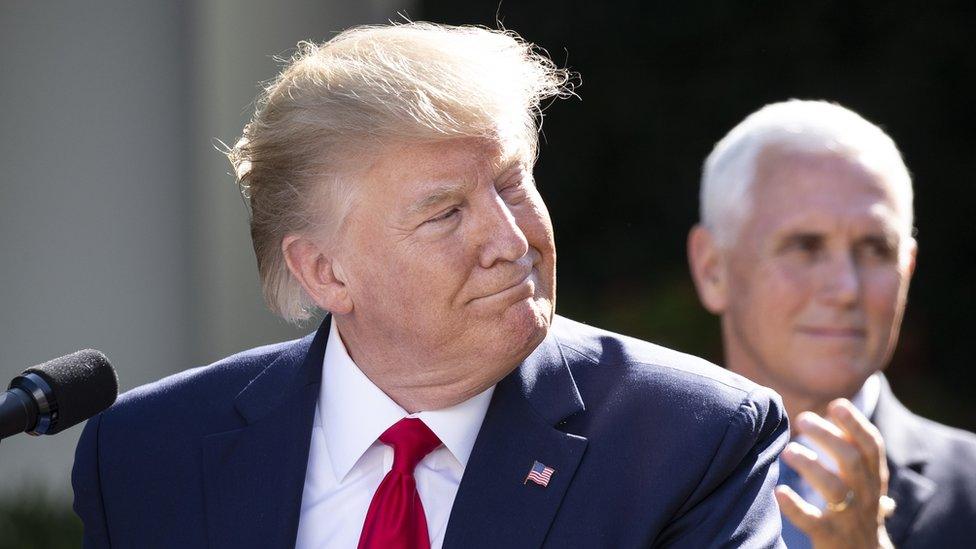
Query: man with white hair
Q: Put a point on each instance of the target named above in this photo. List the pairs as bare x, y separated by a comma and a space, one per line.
441, 402
805, 249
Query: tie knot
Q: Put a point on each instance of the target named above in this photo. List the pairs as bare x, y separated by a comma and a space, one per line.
411, 440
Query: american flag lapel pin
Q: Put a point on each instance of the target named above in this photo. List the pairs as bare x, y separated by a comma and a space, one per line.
540, 474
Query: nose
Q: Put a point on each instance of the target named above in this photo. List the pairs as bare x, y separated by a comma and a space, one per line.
501, 237
842, 281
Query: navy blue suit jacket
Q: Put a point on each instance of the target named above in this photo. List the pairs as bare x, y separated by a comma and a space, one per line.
650, 448
933, 478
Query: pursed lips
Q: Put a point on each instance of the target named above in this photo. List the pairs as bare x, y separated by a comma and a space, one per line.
520, 278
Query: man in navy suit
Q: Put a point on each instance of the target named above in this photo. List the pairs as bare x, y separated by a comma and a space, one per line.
805, 249
441, 403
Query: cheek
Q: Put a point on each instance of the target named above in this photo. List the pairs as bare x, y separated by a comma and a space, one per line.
884, 295
397, 276
432, 273
791, 285
533, 219
536, 226
774, 294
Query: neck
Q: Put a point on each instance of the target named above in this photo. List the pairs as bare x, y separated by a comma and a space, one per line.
417, 381
744, 361
795, 399
796, 403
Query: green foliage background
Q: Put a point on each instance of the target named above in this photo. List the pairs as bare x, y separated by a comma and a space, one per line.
663, 81
33, 519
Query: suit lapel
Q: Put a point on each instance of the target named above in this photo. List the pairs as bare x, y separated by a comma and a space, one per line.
907, 457
254, 476
911, 491
494, 506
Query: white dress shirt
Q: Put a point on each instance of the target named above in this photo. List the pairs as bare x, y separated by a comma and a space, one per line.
346, 462
866, 400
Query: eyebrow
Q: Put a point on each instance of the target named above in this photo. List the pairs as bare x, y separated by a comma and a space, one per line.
889, 238
786, 238
451, 190
793, 235
886, 236
440, 194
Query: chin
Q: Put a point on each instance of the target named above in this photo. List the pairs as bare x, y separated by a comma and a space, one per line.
526, 323
836, 378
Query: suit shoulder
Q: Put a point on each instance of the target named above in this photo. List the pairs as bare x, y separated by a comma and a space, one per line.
949, 444
202, 390
721, 431
650, 370
952, 435
910, 436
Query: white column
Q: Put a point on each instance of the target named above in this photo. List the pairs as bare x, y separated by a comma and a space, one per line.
93, 184
119, 226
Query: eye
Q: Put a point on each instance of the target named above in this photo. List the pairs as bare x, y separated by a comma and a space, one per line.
808, 244
444, 216
878, 248
513, 190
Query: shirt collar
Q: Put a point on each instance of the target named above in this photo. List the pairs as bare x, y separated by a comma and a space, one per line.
354, 412
866, 400
458, 426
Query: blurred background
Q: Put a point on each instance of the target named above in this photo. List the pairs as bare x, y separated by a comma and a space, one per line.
120, 228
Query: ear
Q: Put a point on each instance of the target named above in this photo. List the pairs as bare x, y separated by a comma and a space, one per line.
708, 269
318, 273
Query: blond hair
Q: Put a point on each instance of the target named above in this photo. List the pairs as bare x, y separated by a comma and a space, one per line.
334, 102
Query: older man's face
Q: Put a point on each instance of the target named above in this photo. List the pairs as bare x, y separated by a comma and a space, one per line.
818, 278
449, 252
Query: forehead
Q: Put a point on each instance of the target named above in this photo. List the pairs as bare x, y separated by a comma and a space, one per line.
799, 188
415, 168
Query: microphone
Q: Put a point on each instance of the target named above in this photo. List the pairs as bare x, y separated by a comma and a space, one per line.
51, 397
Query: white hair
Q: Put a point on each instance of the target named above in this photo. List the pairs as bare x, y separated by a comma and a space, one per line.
369, 86
802, 127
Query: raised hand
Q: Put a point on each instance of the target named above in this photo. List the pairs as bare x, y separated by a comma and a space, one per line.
856, 494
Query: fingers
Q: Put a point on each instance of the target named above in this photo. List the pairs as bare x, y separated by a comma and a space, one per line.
804, 461
862, 433
801, 513
855, 445
852, 465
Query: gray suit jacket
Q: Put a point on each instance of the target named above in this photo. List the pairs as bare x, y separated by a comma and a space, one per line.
933, 478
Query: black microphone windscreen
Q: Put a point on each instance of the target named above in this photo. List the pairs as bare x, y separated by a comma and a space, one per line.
83, 383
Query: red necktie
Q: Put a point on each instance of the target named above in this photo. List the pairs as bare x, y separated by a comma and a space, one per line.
395, 519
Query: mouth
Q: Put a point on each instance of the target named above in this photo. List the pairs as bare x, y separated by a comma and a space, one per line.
517, 290
830, 332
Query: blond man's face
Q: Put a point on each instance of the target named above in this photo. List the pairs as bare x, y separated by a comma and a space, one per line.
449, 250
